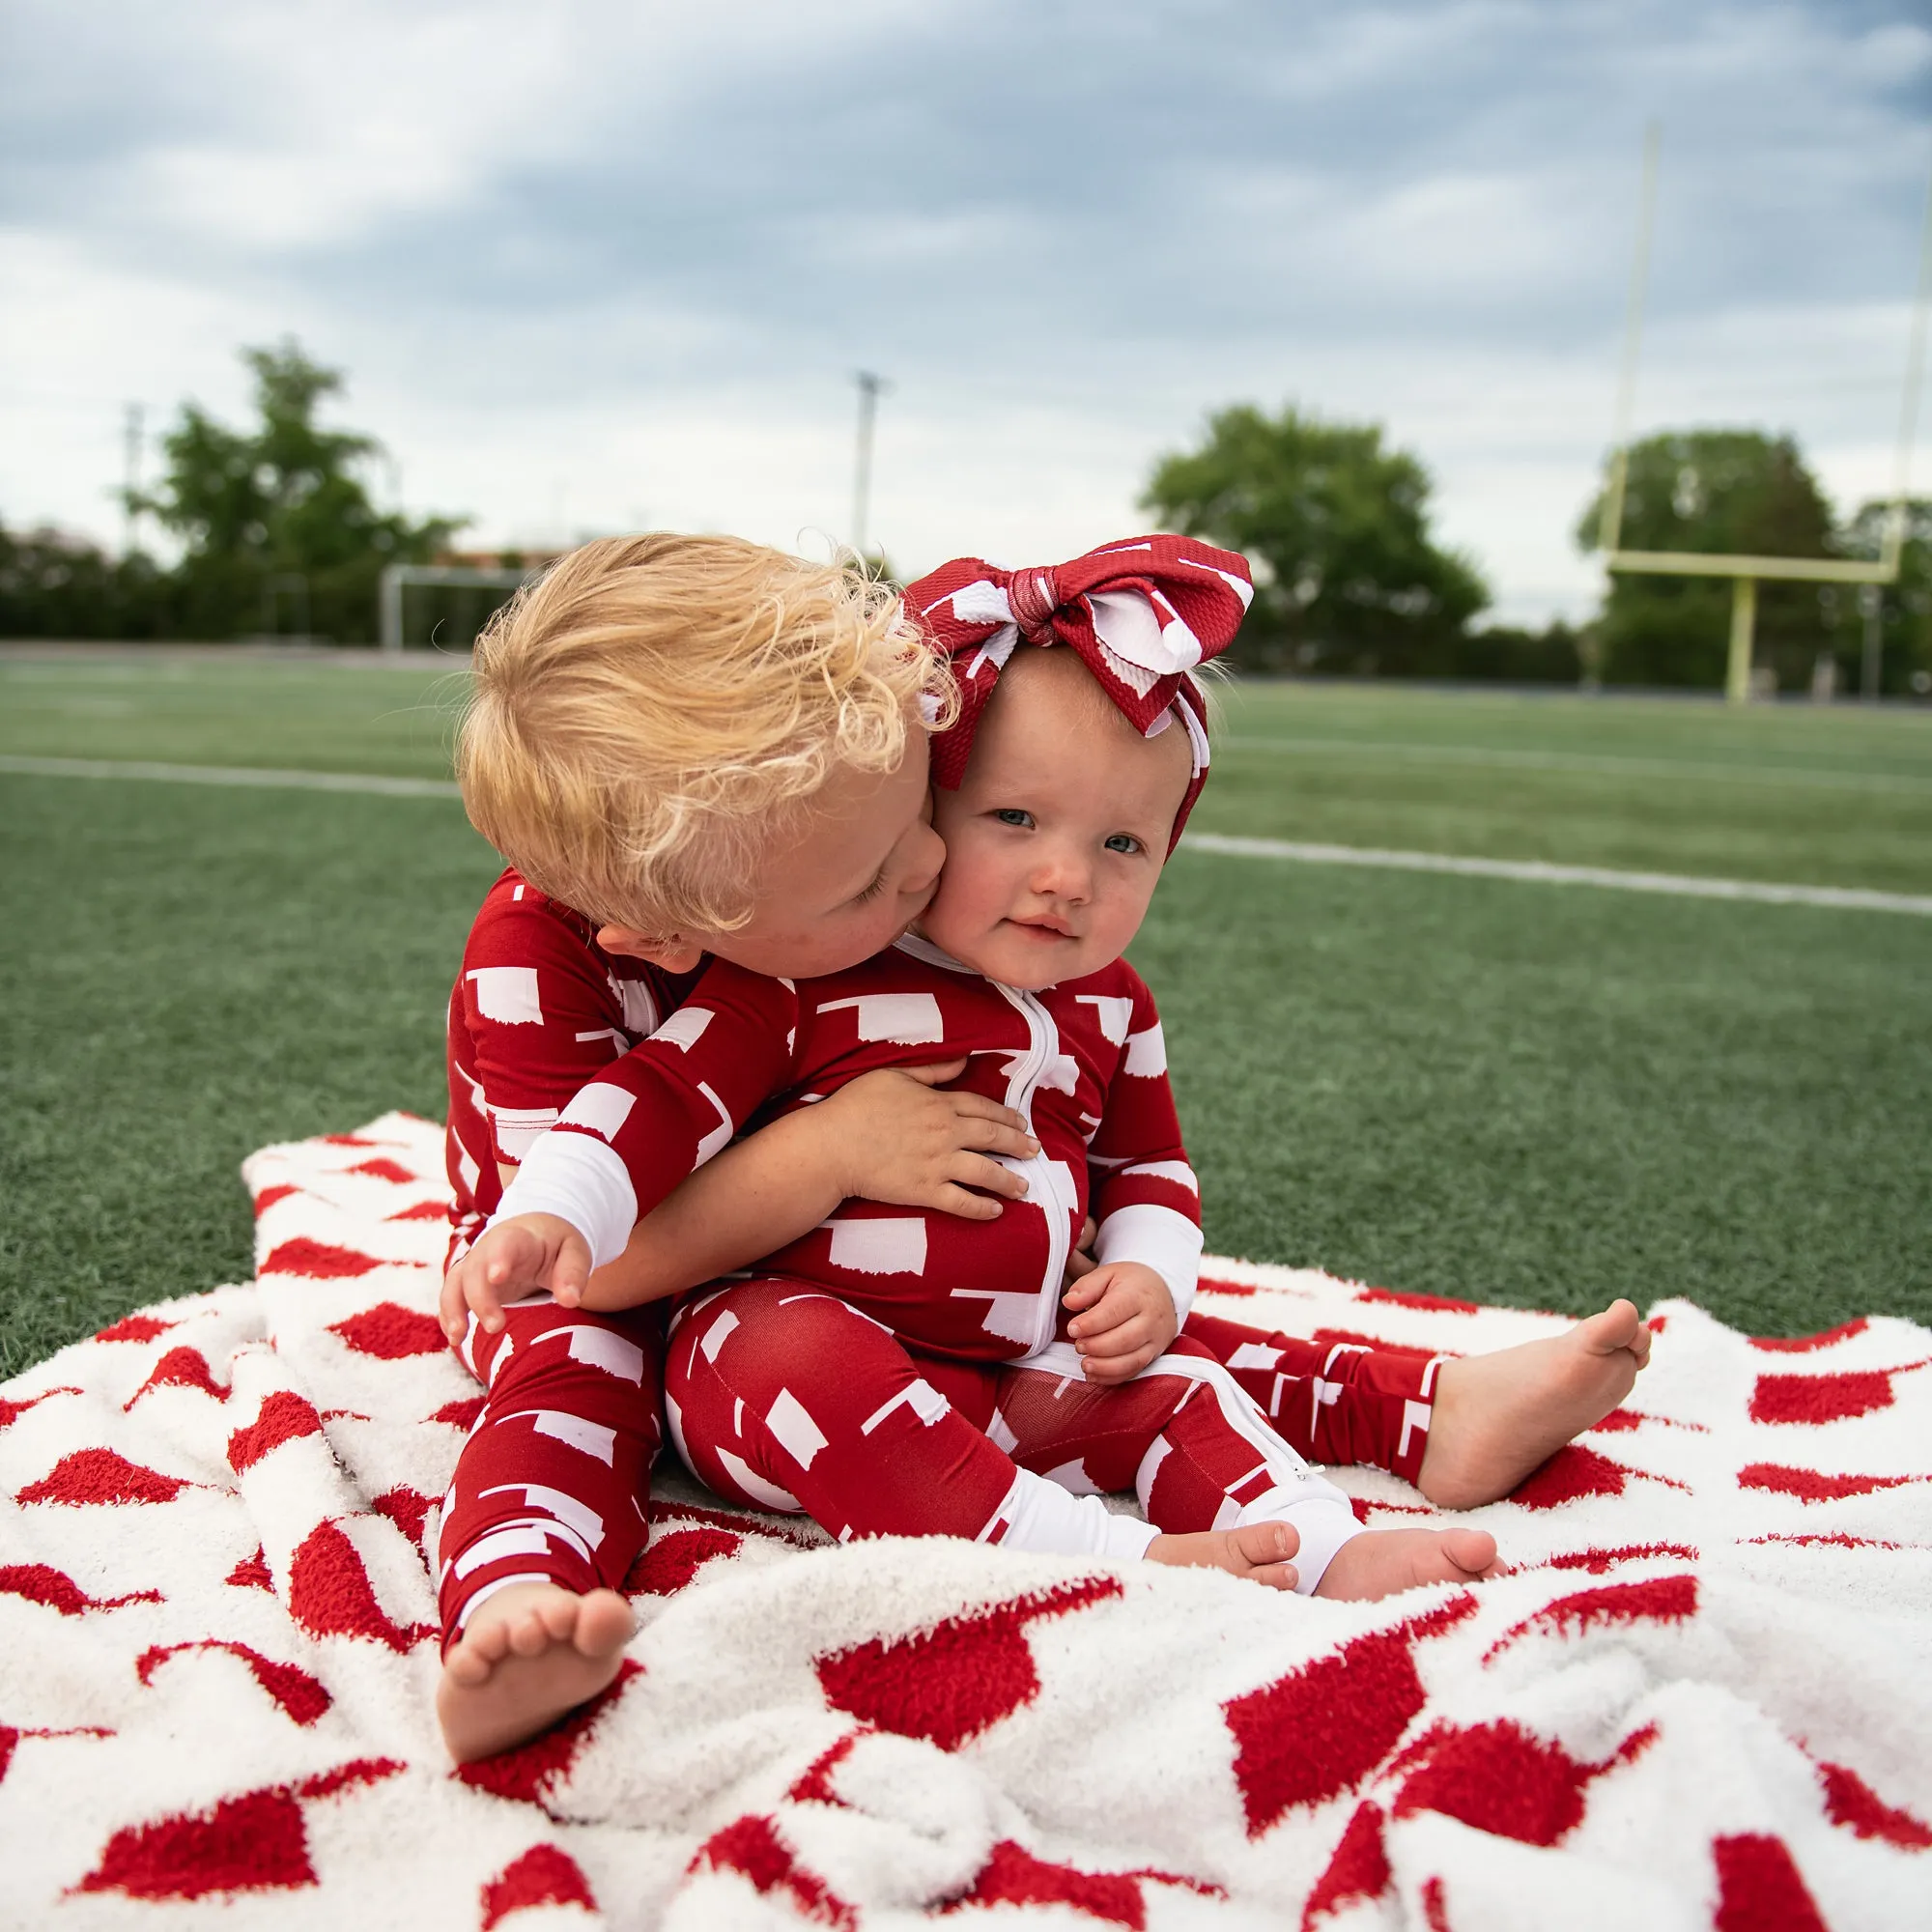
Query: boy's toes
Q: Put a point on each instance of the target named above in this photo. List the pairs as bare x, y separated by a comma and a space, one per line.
463, 1665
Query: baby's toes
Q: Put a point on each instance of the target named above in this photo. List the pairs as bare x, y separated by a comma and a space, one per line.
466, 1666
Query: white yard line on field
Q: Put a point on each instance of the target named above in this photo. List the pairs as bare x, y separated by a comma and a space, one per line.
228, 775
1529, 872
1607, 764
1534, 872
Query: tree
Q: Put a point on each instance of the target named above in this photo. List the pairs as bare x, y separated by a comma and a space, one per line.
1905, 608
57, 586
1336, 530
274, 523
1718, 492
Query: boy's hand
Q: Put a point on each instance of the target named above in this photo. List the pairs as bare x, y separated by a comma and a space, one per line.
510, 1261
1126, 1320
894, 1137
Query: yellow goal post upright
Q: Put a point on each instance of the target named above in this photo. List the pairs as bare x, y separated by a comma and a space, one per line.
1747, 572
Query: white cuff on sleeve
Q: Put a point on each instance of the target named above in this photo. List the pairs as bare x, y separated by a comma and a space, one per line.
1158, 1238
581, 1180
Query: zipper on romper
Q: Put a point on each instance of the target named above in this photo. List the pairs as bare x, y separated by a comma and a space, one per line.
1043, 1042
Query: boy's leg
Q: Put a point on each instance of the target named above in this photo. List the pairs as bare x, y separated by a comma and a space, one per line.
780, 1396
1194, 1447
544, 1517
1331, 1401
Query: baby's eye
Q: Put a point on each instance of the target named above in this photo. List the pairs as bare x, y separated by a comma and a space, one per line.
871, 892
1011, 815
1123, 841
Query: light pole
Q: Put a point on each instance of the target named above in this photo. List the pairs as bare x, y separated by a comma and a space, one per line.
871, 388
133, 436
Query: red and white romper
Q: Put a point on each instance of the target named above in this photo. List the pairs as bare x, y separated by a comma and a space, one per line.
900, 1372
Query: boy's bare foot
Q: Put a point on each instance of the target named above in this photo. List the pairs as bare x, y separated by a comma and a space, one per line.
1380, 1562
1258, 1551
526, 1656
1497, 1416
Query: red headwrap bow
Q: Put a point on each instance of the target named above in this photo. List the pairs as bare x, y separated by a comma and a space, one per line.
1140, 615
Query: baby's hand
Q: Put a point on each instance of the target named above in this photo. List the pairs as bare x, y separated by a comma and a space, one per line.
1126, 1320
510, 1258
894, 1137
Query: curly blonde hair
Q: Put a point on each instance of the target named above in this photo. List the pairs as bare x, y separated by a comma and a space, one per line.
654, 716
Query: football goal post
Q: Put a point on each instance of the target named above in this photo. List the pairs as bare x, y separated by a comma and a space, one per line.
400, 578
1746, 573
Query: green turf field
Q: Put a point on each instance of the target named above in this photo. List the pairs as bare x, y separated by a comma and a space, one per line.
1467, 1086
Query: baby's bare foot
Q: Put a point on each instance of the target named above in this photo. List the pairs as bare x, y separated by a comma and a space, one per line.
1497, 1416
526, 1656
1258, 1551
1380, 1562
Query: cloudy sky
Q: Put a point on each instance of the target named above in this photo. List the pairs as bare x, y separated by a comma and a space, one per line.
593, 264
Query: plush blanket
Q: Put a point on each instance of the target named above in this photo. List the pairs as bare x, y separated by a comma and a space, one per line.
1702, 1696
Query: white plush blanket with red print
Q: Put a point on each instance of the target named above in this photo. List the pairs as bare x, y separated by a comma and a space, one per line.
1703, 1697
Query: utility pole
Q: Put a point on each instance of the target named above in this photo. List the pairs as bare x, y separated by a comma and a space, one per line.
132, 438
871, 388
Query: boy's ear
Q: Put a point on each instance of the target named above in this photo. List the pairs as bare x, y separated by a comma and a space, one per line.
672, 951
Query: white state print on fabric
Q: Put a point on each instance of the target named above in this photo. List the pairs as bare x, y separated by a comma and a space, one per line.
597, 1348
793, 1429
576, 1516
892, 1244
508, 994
601, 1107
911, 1019
684, 1029
1146, 1054
638, 1006
577, 1431
1177, 1171
519, 1127
1112, 1014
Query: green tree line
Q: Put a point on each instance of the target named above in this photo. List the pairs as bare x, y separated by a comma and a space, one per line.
276, 533
275, 530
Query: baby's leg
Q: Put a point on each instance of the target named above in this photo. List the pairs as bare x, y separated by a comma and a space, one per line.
780, 1396
1216, 1478
1465, 1430
544, 1519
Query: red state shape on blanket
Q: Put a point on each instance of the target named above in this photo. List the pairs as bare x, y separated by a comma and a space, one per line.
1657, 1598
284, 1417
1497, 1778
1321, 1729
101, 1476
461, 1413
1012, 1876
329, 1594
1850, 1801
543, 1875
1358, 1870
1573, 1473
134, 1328
531, 1772
957, 1679
382, 1167
251, 1573
12, 1411
269, 1196
406, 1508
302, 1696
41, 1583
179, 1368
1759, 1888
1804, 1344
252, 1843
1405, 1298
423, 1210
1817, 1398
317, 1260
389, 1331
675, 1558
1813, 1486
751, 1847
1597, 1561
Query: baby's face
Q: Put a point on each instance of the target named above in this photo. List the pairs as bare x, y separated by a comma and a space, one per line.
1056, 837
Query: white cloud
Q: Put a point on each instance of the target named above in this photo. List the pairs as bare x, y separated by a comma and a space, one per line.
595, 260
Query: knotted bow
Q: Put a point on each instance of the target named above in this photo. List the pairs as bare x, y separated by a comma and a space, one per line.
1141, 615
